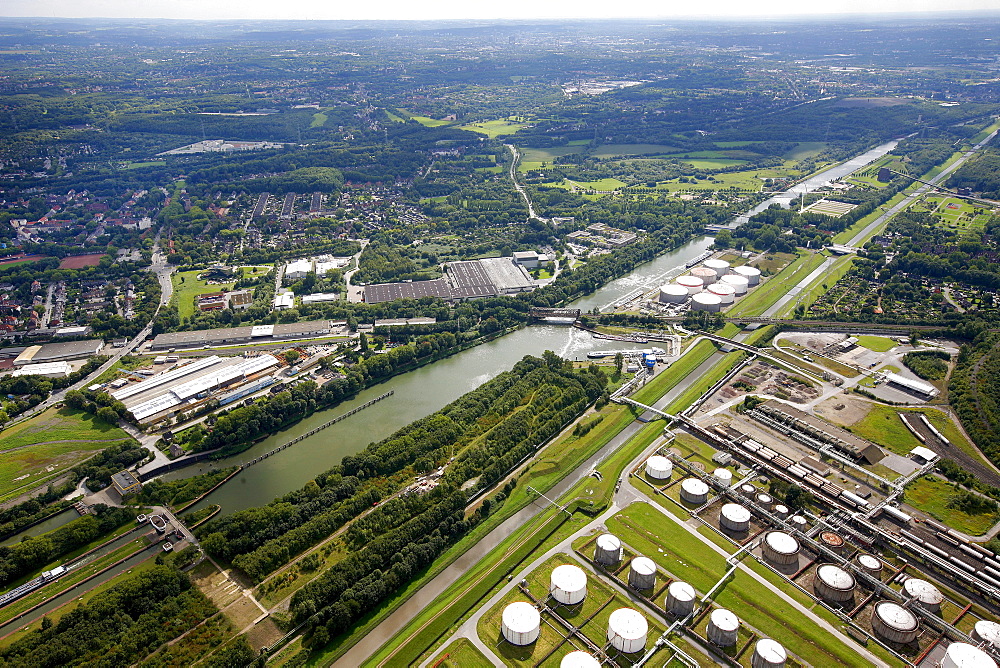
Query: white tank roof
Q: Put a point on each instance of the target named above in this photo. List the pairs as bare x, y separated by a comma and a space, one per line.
692, 281
703, 271
682, 591
771, 651
781, 542
707, 298
798, 519
781, 509
628, 623
609, 541
989, 632
521, 617
765, 498
716, 264
896, 616
725, 620
569, 577
835, 576
722, 289
579, 659
734, 512
869, 562
747, 270
673, 289
735, 280
964, 655
694, 486
723, 474
923, 591
659, 462
643, 566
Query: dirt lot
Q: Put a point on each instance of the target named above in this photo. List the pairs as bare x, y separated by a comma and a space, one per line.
843, 409
79, 261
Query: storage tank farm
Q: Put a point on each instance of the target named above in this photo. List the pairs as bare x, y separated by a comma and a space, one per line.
673, 293
725, 292
923, 594
833, 583
964, 655
568, 584
739, 283
724, 477
768, 653
694, 490
627, 630
987, 632
659, 467
706, 301
692, 284
893, 622
720, 267
707, 276
579, 659
520, 623
735, 517
752, 274
780, 548
608, 550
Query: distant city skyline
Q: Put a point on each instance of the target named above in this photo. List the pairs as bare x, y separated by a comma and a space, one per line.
453, 9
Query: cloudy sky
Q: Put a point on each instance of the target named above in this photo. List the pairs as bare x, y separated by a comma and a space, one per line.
464, 9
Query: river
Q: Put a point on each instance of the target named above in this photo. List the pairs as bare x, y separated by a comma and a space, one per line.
417, 394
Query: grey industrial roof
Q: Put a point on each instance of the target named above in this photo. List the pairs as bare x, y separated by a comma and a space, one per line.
387, 292
291, 329
201, 336
67, 349
470, 279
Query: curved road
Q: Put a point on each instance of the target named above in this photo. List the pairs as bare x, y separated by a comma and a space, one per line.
515, 159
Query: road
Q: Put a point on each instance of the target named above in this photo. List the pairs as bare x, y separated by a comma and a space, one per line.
516, 158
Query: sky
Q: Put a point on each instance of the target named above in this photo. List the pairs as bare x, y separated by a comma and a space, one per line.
466, 9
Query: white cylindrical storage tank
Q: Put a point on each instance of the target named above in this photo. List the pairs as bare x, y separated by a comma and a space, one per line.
627, 630
739, 283
765, 500
723, 291
568, 584
893, 622
659, 467
720, 267
799, 522
694, 490
723, 627
768, 653
964, 655
706, 301
752, 274
642, 573
520, 623
680, 598
673, 294
834, 583
781, 511
924, 594
735, 517
748, 489
871, 564
987, 632
608, 551
706, 275
780, 548
724, 477
692, 284
579, 659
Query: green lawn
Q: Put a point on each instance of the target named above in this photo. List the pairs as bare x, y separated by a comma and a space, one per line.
882, 425
711, 163
148, 163
805, 150
771, 290
879, 344
495, 128
461, 654
187, 286
931, 495
611, 150
319, 120
546, 155
602, 184
426, 121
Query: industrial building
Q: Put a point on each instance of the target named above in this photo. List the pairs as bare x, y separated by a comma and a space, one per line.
185, 386
919, 387
59, 352
466, 279
236, 335
297, 269
822, 431
320, 298
125, 483
387, 292
46, 369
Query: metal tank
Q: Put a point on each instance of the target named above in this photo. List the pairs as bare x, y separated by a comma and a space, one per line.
893, 622
720, 267
723, 291
871, 564
739, 283
579, 659
520, 623
768, 653
923, 594
706, 275
608, 551
706, 301
964, 655
724, 477
735, 517
680, 598
752, 274
659, 467
642, 573
692, 284
987, 632
568, 584
627, 630
673, 294
694, 491
723, 627
781, 548
833, 583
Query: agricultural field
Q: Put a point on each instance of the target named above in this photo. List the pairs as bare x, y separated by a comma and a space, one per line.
830, 207
51, 443
495, 128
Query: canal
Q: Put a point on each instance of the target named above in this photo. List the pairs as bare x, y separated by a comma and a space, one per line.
417, 394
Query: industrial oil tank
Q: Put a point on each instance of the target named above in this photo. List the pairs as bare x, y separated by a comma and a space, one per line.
831, 540
924, 594
781, 511
799, 522
680, 598
692, 284
706, 301
768, 653
627, 630
673, 294
739, 283
723, 291
765, 500
964, 655
752, 274
987, 632
520, 623
579, 659
720, 267
694, 491
608, 551
780, 548
659, 467
871, 564
724, 477
833, 583
735, 517
706, 275
893, 622
723, 627
568, 584
642, 573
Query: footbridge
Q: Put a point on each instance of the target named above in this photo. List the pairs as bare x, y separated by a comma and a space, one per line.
543, 313
754, 350
633, 402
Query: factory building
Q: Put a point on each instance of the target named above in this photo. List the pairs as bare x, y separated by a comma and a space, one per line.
46, 370
466, 279
297, 270
59, 352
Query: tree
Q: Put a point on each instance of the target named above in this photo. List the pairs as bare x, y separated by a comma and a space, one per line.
292, 356
619, 363
108, 414
363, 342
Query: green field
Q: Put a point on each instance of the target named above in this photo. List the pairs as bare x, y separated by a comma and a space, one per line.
187, 287
955, 213
461, 653
394, 117
603, 184
612, 150
711, 163
426, 121
49, 444
805, 149
494, 129
931, 495
879, 344
148, 163
319, 120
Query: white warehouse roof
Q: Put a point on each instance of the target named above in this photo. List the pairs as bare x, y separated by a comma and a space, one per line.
911, 384
53, 369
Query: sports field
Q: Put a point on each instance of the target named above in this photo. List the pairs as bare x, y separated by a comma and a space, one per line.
956, 213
